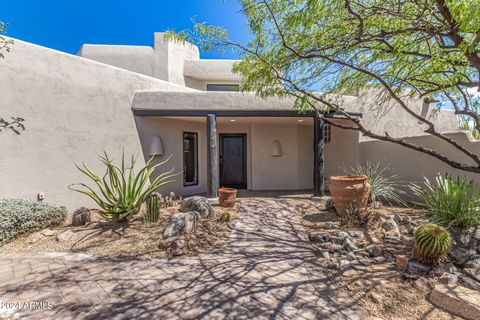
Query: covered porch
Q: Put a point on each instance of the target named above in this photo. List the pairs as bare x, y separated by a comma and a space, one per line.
247, 148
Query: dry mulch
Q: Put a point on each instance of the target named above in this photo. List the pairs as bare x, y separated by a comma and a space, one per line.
382, 290
133, 239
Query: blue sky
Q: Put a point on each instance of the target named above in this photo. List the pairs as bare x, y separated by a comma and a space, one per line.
66, 24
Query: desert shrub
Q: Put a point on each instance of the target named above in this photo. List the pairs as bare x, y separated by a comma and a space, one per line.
18, 216
384, 186
170, 201
122, 191
432, 243
450, 202
354, 217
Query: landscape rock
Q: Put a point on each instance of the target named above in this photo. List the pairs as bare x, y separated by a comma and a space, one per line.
34, 238
473, 263
446, 268
324, 253
423, 284
472, 272
391, 239
401, 261
356, 234
64, 236
463, 255
389, 225
397, 218
333, 266
81, 216
345, 264
317, 236
181, 222
447, 278
349, 244
469, 283
379, 259
417, 267
47, 232
332, 247
198, 204
174, 246
373, 250
331, 225
351, 256
457, 300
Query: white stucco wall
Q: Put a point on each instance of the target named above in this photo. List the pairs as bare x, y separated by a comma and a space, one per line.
74, 109
412, 166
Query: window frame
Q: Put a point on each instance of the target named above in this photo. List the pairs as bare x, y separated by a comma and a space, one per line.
223, 84
327, 133
195, 182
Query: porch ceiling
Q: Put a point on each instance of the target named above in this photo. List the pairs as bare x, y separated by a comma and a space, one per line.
251, 120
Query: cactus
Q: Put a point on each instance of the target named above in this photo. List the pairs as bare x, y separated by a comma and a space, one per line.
153, 208
432, 243
225, 217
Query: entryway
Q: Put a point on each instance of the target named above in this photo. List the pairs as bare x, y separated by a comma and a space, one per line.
233, 160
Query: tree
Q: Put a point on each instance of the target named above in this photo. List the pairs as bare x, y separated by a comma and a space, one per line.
16, 123
426, 49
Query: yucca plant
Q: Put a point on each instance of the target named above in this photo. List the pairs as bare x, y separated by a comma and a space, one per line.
383, 186
450, 202
153, 208
432, 243
122, 191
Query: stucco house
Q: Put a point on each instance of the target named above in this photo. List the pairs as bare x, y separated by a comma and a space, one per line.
166, 101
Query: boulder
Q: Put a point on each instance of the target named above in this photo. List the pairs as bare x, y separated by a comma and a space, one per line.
181, 222
81, 216
457, 300
64, 236
469, 283
174, 246
47, 232
374, 250
36, 237
198, 204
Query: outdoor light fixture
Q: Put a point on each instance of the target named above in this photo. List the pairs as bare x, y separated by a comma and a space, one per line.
156, 147
300, 120
232, 120
276, 148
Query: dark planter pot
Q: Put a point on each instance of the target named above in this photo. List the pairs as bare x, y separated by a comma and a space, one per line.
227, 197
349, 192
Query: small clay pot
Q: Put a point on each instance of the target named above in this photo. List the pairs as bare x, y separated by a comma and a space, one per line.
349, 192
227, 197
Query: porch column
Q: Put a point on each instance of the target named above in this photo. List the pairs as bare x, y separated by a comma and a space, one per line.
212, 156
318, 165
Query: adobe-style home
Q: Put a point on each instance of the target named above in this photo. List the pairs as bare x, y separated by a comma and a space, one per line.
164, 101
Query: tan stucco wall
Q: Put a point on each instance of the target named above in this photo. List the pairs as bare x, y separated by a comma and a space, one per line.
74, 109
411, 165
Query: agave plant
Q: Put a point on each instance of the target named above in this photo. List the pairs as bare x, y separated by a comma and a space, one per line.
383, 186
432, 242
450, 202
122, 191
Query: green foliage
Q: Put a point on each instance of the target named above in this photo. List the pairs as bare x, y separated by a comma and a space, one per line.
451, 202
431, 243
122, 191
384, 186
225, 217
354, 217
170, 201
153, 208
4, 43
18, 216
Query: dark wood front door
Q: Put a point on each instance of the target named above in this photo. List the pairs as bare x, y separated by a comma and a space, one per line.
233, 160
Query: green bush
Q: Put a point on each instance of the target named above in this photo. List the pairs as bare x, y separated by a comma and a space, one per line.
384, 187
432, 242
18, 216
450, 202
122, 191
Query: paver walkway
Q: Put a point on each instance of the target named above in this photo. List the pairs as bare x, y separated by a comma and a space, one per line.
260, 273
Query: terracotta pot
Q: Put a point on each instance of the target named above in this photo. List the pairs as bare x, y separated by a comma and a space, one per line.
349, 192
227, 197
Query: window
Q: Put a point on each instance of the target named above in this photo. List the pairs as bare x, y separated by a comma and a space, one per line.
223, 87
190, 159
327, 133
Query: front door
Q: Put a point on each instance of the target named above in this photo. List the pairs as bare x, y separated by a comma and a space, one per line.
233, 160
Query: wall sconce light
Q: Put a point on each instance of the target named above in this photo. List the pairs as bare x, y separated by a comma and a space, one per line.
276, 148
156, 147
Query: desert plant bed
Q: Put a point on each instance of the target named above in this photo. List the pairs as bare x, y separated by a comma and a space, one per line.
369, 268
121, 239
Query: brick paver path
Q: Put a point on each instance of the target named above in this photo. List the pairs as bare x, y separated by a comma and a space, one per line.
265, 271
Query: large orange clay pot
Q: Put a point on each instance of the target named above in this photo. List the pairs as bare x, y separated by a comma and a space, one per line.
349, 192
227, 197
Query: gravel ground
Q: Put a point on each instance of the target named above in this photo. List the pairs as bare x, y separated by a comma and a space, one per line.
133, 239
381, 288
